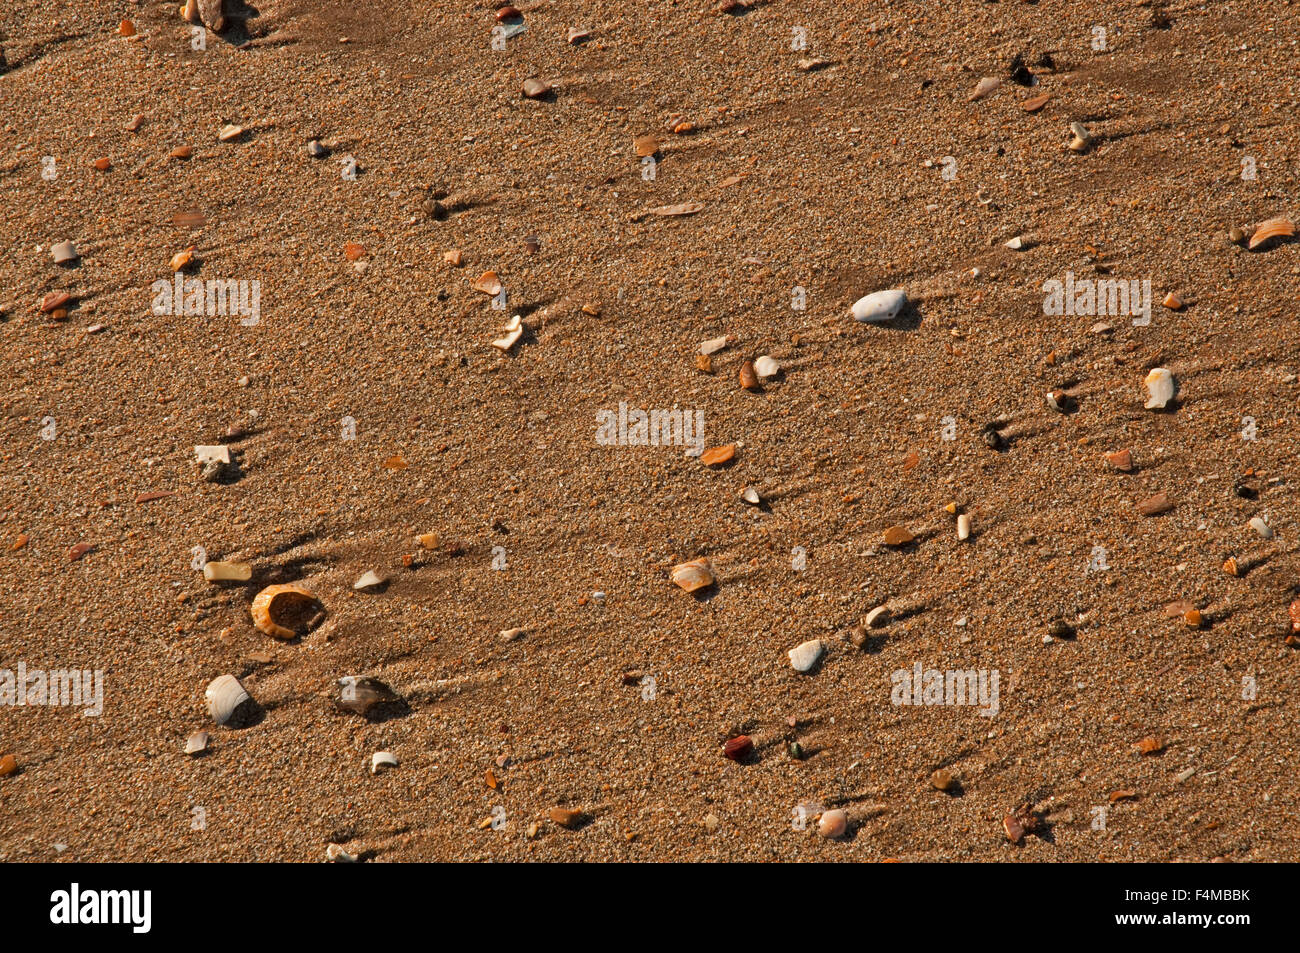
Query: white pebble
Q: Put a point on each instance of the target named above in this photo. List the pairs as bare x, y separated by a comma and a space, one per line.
805, 656
880, 306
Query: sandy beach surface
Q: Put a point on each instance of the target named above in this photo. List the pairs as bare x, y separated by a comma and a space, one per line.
352, 171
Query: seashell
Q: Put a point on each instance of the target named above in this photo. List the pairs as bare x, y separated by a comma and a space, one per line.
227, 572
228, 703
1172, 301
704, 362
645, 145
8, 765
362, 694
1035, 103
738, 748
713, 345
210, 13
879, 306
1058, 401
963, 526
577, 35
212, 453
693, 575
230, 133
943, 780
805, 655
1080, 138
1121, 460
1260, 527
1161, 386
395, 462
1230, 566
1019, 243
190, 11
316, 149
488, 283
54, 300
567, 817
1193, 619
718, 455
514, 331
508, 13
765, 366
682, 208
1014, 829
428, 540
876, 618
264, 604
750, 496
748, 376
103, 164
381, 760
64, 252
352, 251
337, 855
126, 28
369, 580
536, 88
180, 152
833, 824
453, 257
1293, 611
79, 550
983, 88
1155, 505
898, 536
1273, 228
197, 743
511, 635
182, 258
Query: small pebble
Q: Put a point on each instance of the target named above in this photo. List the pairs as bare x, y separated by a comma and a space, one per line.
803, 657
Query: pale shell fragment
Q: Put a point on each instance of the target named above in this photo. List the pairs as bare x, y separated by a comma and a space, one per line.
1081, 138
750, 496
1259, 526
197, 743
803, 657
227, 701
985, 86
1019, 243
693, 575
217, 571
369, 580
488, 283
876, 618
880, 306
511, 635
833, 824
381, 760
765, 366
64, 252
229, 133
1273, 228
263, 604
963, 526
337, 855
212, 453
510, 340
1161, 386
713, 345
361, 693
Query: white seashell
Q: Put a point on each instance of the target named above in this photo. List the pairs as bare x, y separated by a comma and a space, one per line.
197, 743
963, 526
693, 575
765, 366
228, 703
217, 453
1019, 243
1259, 526
713, 345
228, 133
361, 693
511, 635
369, 580
1161, 386
227, 572
1081, 138
880, 306
804, 657
509, 341
382, 759
337, 855
833, 824
750, 496
876, 618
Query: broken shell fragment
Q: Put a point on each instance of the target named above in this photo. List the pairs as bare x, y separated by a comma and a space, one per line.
182, 258
488, 283
212, 453
1121, 460
877, 618
645, 145
428, 540
1155, 505
984, 87
748, 376
693, 575
567, 817
1018, 243
230, 133
1161, 386
750, 496
717, 456
265, 603
898, 536
536, 88
963, 526
64, 253
943, 780
228, 703
362, 694
879, 306
197, 743
1081, 139
833, 824
765, 366
227, 572
1262, 528
681, 208
713, 345
381, 760
738, 748
514, 331
1172, 301
369, 580
337, 855
806, 655
1273, 228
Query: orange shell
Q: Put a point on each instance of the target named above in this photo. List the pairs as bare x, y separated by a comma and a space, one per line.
1273, 228
262, 605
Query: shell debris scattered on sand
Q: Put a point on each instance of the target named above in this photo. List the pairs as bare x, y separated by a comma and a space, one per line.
1161, 387
228, 703
272, 597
